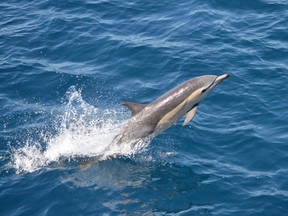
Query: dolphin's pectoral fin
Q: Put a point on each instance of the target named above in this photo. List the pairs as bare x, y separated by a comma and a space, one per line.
134, 107
190, 115
194, 95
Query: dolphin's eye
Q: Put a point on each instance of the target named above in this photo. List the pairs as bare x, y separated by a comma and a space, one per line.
203, 90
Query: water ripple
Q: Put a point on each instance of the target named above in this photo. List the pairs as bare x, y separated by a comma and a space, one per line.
114, 51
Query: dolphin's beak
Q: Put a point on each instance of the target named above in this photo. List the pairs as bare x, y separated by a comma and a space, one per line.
221, 78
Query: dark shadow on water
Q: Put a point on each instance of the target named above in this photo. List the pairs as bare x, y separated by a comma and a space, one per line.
142, 186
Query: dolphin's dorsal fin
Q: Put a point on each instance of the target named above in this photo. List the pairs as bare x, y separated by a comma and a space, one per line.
134, 107
190, 115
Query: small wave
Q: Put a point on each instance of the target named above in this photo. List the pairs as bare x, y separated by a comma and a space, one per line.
84, 131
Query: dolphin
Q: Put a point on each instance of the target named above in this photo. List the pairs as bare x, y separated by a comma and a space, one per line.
149, 120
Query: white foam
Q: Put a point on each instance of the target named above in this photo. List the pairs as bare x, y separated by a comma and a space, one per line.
84, 131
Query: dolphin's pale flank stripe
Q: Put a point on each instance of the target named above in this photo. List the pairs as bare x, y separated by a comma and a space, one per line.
169, 116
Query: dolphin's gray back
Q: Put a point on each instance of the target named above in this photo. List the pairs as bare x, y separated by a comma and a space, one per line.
175, 96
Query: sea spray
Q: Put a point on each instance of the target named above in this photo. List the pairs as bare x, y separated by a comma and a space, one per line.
84, 131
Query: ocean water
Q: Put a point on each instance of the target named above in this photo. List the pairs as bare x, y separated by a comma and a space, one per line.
65, 69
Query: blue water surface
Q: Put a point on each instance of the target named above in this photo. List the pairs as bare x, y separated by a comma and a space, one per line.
65, 69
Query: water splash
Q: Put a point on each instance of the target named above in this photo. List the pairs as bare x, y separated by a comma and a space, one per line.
84, 131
